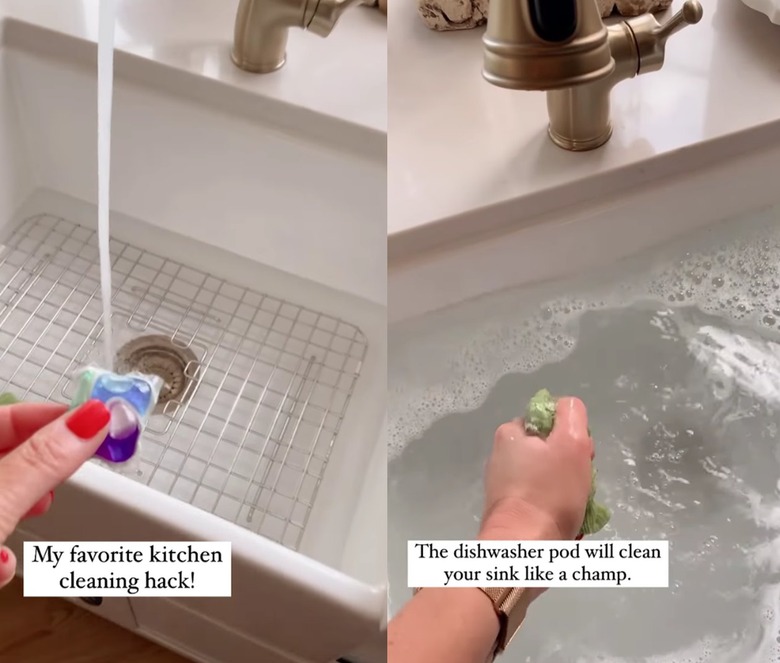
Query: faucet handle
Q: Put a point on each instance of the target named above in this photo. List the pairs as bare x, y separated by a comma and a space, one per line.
651, 36
321, 16
690, 14
380, 5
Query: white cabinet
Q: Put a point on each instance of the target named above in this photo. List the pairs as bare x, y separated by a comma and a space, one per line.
284, 606
115, 609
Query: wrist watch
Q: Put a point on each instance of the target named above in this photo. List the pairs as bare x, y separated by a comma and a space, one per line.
510, 604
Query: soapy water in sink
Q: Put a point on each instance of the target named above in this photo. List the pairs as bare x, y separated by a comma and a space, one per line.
677, 355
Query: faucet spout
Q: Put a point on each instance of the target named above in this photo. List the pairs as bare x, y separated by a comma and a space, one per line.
542, 45
324, 14
580, 114
575, 58
260, 38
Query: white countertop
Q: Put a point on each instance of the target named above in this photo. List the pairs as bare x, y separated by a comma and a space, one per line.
465, 156
342, 76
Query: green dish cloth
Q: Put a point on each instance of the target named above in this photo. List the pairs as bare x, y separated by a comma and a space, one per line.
539, 421
8, 399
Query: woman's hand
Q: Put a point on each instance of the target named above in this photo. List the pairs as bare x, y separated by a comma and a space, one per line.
41, 445
537, 489
534, 490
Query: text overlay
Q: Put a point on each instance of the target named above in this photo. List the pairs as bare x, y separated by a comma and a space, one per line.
538, 563
130, 568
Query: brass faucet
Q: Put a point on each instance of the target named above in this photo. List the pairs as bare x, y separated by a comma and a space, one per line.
260, 40
564, 48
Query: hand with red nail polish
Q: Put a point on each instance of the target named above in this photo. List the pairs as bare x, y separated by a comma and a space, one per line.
41, 445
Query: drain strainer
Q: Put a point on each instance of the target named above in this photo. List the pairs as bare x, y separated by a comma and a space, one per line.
158, 355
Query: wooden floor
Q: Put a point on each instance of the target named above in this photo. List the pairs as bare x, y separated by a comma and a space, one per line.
36, 630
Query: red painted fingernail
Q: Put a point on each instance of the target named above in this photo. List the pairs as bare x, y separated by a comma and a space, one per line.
4, 556
51, 496
89, 420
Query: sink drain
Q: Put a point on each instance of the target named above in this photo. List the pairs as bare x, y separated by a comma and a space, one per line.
158, 355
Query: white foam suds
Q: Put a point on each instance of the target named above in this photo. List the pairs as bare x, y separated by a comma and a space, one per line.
448, 361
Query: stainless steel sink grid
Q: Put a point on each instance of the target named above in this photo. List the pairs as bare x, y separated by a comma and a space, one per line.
266, 392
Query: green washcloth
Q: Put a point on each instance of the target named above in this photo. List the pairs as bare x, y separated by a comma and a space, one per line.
539, 421
8, 399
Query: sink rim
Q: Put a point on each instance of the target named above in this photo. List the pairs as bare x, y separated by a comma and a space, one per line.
634, 221
414, 243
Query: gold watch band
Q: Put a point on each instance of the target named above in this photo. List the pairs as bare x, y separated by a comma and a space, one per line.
510, 604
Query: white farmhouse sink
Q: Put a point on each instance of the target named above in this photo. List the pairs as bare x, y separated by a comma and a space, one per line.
248, 237
474, 333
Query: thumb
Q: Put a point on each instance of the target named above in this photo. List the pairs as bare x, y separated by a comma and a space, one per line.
47, 458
